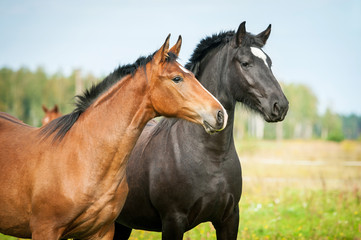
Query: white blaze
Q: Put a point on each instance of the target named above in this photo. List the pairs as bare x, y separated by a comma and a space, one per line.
184, 69
260, 54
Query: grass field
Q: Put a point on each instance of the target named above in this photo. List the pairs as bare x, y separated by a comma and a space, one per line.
294, 190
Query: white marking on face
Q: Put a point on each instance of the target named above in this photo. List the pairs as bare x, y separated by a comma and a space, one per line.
260, 54
184, 69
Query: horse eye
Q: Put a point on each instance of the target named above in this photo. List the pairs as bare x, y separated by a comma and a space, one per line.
245, 64
177, 79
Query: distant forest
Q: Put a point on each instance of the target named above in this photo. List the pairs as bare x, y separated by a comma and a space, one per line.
23, 92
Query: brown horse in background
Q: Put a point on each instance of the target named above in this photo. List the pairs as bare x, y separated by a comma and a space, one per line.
51, 114
67, 179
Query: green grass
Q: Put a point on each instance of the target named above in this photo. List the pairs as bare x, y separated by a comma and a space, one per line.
310, 202
295, 214
3, 237
305, 202
290, 214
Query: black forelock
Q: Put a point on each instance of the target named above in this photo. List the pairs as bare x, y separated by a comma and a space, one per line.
171, 57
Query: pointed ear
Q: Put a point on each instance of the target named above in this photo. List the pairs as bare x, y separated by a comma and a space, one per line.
265, 34
56, 109
177, 47
241, 32
162, 53
44, 108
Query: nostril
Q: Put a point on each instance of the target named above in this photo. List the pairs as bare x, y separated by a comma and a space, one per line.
276, 109
220, 117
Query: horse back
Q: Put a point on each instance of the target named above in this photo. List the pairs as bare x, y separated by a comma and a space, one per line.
17, 142
8, 121
15, 136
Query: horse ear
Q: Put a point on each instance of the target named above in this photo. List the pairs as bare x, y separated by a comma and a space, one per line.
265, 34
177, 47
241, 32
44, 108
162, 54
56, 109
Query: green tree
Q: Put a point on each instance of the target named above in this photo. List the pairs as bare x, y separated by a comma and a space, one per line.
6, 76
351, 126
302, 113
331, 126
22, 92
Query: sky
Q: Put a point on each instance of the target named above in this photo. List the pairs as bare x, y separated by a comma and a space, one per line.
313, 42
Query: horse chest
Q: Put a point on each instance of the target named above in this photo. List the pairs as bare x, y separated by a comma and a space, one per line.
101, 211
214, 178
213, 188
212, 202
216, 191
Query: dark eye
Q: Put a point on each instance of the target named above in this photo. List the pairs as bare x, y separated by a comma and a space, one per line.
245, 64
177, 79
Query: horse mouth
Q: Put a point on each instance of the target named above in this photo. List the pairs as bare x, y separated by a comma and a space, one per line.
209, 128
268, 115
273, 118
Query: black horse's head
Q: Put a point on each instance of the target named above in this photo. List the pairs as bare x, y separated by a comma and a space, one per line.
250, 76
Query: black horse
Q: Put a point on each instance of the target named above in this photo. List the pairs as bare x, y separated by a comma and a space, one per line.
178, 175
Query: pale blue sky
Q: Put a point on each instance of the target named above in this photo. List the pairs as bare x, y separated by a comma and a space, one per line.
315, 42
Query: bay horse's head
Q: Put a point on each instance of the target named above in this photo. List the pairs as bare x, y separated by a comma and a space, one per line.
175, 92
250, 70
50, 114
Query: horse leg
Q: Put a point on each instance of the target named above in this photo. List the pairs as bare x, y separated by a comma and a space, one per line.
45, 232
121, 232
228, 229
173, 227
105, 233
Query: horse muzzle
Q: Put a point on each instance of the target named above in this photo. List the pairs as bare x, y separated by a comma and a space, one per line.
276, 111
215, 123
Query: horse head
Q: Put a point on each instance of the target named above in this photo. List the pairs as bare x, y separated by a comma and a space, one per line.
250, 69
50, 114
186, 97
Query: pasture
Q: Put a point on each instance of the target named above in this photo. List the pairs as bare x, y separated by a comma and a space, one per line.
294, 190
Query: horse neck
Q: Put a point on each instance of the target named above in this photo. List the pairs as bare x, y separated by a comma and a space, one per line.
213, 76
109, 128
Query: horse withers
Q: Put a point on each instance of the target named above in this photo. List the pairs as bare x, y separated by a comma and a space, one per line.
67, 178
189, 177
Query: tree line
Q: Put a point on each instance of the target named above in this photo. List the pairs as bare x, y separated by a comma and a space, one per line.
23, 92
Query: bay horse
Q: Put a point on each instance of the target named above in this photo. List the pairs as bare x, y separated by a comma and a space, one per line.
50, 114
67, 178
189, 177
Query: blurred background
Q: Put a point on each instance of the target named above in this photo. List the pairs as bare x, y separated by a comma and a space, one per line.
302, 177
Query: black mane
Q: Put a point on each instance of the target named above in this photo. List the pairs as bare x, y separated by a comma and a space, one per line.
204, 47
62, 124
209, 43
